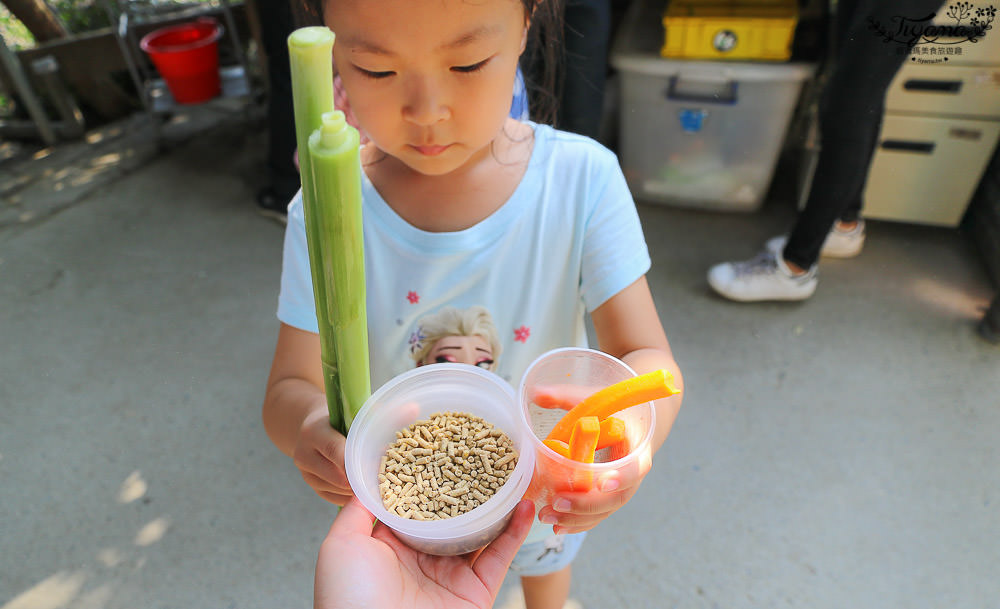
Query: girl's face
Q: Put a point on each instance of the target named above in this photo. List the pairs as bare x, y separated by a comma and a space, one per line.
430, 81
473, 350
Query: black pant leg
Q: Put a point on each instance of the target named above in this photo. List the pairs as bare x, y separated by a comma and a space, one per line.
276, 25
850, 116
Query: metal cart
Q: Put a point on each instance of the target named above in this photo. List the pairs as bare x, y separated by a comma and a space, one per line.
130, 15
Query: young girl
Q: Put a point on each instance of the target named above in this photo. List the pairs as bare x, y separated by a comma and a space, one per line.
463, 207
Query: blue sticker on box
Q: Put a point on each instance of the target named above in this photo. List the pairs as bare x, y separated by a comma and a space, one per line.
692, 120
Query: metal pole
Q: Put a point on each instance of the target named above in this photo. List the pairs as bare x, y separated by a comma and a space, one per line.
227, 14
26, 94
47, 69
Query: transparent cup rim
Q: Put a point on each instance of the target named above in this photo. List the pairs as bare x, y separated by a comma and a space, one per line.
553, 455
463, 525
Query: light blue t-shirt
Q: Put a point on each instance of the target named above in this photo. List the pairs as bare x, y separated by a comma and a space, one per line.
567, 240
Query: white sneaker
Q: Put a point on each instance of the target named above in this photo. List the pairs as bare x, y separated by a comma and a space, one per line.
763, 277
839, 243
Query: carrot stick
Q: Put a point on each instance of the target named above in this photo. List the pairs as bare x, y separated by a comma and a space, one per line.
582, 444
559, 446
617, 397
612, 432
583, 439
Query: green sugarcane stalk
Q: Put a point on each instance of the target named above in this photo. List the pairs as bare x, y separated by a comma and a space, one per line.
336, 176
330, 168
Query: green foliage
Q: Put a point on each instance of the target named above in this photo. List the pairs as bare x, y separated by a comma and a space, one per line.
80, 15
15, 35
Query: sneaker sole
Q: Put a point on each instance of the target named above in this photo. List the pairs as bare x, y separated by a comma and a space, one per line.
806, 295
826, 252
842, 253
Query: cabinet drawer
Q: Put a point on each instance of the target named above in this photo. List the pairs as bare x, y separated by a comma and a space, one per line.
925, 169
968, 91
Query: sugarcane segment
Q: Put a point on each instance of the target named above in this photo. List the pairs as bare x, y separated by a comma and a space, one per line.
330, 171
336, 177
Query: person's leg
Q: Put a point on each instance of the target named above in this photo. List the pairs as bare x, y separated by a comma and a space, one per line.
989, 327
276, 25
850, 117
547, 591
586, 34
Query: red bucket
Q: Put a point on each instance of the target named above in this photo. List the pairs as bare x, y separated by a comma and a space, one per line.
187, 57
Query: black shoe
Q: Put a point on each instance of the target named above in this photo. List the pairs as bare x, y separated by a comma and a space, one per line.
272, 205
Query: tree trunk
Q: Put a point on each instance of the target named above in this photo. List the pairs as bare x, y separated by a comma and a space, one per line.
43, 23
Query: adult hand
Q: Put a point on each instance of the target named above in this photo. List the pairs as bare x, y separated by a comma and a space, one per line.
319, 455
364, 566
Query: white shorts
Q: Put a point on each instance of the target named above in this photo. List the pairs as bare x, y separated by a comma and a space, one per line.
547, 555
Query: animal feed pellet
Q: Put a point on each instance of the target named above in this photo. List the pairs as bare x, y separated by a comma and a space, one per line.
444, 466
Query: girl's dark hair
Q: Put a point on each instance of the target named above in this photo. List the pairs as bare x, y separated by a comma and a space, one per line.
541, 62
307, 12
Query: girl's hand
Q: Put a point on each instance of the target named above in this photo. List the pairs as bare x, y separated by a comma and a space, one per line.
319, 455
362, 566
575, 512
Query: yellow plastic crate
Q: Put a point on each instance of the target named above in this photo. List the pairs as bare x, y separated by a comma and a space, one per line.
714, 29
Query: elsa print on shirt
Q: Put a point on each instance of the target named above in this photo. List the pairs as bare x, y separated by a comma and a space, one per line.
451, 334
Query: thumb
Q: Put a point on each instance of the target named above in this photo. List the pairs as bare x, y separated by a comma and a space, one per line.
353, 519
492, 563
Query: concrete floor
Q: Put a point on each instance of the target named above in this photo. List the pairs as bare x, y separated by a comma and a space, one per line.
835, 453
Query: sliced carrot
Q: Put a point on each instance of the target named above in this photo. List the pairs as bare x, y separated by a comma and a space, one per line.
612, 432
559, 446
545, 399
617, 397
583, 439
559, 396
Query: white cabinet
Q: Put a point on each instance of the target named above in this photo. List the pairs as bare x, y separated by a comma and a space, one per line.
939, 130
927, 167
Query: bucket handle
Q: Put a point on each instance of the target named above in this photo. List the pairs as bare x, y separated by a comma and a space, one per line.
219, 28
728, 95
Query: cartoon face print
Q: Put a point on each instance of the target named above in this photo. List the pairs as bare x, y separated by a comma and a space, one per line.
474, 350
450, 334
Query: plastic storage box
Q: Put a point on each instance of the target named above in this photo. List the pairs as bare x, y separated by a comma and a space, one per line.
720, 29
699, 133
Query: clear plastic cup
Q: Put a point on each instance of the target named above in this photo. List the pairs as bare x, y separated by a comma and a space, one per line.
579, 372
415, 395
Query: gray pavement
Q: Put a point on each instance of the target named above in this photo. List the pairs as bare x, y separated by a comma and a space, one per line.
835, 453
